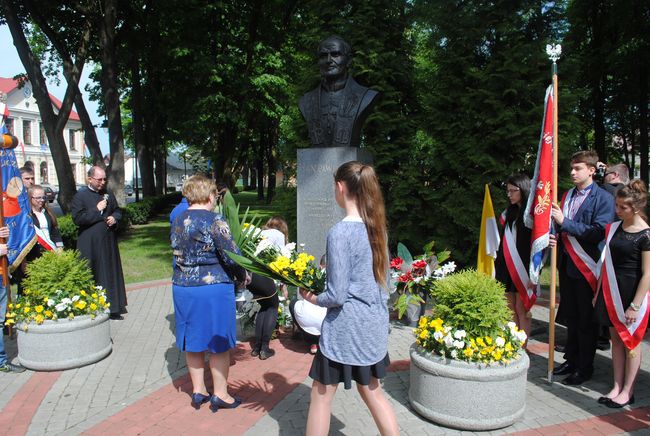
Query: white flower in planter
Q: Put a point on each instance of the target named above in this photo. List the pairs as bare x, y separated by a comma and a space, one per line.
500, 341
459, 344
460, 334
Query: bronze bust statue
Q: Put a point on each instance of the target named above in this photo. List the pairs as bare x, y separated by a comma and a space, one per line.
336, 110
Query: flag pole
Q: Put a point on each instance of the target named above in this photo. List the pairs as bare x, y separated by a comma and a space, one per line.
553, 53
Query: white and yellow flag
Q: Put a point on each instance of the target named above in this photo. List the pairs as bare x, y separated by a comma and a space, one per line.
488, 244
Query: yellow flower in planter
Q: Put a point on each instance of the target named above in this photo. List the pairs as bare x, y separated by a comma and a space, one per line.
93, 306
48, 314
39, 309
39, 319
81, 304
424, 334
26, 309
83, 293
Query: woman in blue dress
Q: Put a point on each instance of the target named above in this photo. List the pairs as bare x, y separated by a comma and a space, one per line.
204, 292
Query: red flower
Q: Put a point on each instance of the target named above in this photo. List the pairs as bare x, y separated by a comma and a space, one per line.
419, 264
396, 263
405, 278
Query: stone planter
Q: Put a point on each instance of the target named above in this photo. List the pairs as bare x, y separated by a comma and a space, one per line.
466, 395
65, 343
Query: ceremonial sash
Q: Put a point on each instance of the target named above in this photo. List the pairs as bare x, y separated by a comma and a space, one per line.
516, 268
631, 334
587, 266
43, 240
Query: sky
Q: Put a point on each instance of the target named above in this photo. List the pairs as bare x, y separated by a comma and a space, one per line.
10, 65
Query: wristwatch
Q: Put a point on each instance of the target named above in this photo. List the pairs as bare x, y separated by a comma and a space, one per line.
634, 307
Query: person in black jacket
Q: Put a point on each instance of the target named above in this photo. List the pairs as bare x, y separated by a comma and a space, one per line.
517, 190
45, 224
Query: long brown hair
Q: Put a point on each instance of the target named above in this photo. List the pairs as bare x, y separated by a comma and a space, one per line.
30, 194
362, 184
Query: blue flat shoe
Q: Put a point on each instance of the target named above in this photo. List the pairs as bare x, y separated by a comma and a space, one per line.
198, 399
216, 403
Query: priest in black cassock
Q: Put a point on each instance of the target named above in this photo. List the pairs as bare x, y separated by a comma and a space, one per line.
96, 213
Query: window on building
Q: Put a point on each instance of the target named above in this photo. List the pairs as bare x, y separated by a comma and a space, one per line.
27, 132
44, 178
42, 136
73, 146
10, 125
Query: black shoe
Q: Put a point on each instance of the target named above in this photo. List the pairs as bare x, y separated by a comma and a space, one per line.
604, 346
564, 369
116, 317
614, 405
560, 348
255, 352
576, 379
603, 400
265, 354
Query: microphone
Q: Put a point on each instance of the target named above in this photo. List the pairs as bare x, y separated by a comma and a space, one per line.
105, 198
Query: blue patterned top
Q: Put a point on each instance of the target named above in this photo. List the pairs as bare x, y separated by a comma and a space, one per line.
199, 238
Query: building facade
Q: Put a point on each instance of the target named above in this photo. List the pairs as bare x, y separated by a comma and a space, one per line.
25, 123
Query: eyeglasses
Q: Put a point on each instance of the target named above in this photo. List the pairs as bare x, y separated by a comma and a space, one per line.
611, 172
102, 179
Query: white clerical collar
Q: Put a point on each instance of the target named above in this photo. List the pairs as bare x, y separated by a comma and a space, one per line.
353, 219
90, 187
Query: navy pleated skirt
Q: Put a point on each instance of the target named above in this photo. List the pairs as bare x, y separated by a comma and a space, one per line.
205, 317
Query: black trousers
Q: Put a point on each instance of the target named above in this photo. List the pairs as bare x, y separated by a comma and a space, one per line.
578, 314
267, 318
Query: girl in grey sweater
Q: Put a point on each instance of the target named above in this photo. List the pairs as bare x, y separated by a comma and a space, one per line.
354, 339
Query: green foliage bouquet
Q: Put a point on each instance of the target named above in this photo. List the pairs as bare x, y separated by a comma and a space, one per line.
58, 285
470, 321
260, 256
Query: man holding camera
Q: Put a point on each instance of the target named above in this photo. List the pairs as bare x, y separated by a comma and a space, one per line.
614, 177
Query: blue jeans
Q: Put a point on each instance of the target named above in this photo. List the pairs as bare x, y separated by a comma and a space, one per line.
3, 310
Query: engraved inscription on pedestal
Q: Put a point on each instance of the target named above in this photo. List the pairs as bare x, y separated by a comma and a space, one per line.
317, 208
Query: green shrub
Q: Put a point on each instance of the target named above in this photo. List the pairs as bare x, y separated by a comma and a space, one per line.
66, 271
471, 301
68, 230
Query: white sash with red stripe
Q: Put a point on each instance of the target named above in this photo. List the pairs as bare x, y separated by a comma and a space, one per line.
44, 240
589, 268
516, 268
631, 334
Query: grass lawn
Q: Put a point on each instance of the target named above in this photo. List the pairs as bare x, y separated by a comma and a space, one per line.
145, 251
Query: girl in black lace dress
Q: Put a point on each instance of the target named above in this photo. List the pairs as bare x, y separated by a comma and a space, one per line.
621, 303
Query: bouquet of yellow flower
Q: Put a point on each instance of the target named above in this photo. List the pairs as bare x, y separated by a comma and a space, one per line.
260, 256
57, 286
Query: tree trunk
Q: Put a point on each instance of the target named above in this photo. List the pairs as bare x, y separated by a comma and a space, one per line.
52, 123
643, 121
110, 90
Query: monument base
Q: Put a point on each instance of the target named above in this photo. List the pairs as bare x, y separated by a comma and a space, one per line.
317, 208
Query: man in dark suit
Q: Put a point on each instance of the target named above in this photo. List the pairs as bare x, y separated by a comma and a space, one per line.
580, 223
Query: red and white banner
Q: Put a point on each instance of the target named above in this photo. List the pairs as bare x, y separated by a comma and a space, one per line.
631, 334
538, 209
516, 268
589, 268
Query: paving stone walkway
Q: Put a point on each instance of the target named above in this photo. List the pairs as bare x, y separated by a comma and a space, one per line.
142, 388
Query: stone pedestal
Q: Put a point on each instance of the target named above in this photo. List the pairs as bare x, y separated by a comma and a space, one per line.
317, 208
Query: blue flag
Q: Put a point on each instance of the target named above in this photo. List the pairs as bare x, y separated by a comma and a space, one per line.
16, 209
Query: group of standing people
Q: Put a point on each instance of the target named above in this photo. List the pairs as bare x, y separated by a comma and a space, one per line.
604, 269
354, 334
